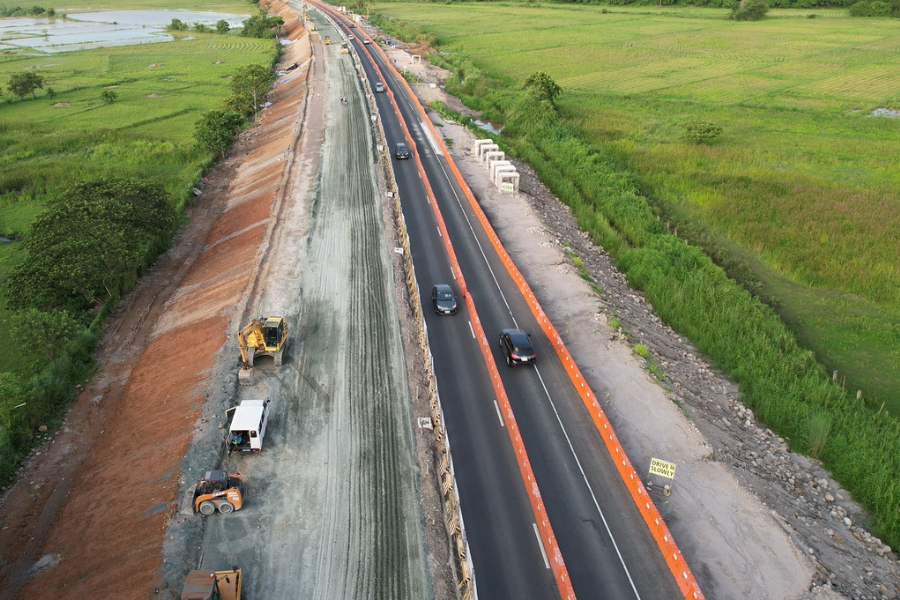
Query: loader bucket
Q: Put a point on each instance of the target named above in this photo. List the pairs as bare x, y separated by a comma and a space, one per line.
245, 376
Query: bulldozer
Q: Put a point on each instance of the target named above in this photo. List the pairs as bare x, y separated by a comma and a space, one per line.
217, 491
344, 48
266, 336
212, 585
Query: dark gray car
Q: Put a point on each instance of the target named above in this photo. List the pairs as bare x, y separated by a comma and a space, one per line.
401, 152
517, 348
443, 299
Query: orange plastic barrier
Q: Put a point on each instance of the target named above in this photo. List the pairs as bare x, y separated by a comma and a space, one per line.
658, 528
548, 538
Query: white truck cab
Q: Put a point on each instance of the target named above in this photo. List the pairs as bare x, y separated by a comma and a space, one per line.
248, 426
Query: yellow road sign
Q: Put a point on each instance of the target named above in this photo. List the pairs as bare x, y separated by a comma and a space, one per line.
662, 468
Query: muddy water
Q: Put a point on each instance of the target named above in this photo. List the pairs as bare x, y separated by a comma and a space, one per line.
85, 31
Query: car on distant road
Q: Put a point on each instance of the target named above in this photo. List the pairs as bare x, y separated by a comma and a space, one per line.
443, 299
367, 41
401, 151
517, 348
350, 37
379, 87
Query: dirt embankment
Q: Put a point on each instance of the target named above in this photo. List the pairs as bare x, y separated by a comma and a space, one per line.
88, 517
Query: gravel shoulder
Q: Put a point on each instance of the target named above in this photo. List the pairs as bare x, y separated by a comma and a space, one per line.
753, 519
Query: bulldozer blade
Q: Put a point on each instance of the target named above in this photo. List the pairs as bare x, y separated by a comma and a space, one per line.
245, 376
186, 505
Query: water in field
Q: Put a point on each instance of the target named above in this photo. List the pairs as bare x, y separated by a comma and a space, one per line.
84, 31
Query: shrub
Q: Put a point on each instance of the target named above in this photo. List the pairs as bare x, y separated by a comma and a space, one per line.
177, 25
90, 243
701, 132
750, 10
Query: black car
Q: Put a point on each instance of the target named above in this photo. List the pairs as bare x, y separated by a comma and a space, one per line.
401, 151
516, 346
443, 299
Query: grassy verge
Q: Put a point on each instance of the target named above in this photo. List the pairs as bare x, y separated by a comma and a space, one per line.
590, 155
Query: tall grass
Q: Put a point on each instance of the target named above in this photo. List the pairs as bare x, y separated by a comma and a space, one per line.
792, 160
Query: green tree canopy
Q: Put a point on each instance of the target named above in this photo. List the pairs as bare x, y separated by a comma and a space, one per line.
22, 84
109, 96
543, 87
216, 130
177, 25
92, 239
750, 10
222, 26
253, 81
261, 26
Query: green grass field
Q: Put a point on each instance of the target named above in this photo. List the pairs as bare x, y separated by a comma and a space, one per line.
147, 132
802, 185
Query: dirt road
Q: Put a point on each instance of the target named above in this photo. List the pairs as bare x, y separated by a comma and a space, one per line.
333, 508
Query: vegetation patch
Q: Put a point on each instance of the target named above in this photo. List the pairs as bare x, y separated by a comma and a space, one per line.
101, 154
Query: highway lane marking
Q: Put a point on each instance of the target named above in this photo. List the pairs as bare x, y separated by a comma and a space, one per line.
477, 241
439, 232
541, 545
431, 141
500, 416
587, 483
472, 329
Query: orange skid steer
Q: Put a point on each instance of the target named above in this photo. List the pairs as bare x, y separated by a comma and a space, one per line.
216, 491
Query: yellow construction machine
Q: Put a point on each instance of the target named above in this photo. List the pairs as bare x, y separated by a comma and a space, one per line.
266, 336
344, 48
327, 40
212, 585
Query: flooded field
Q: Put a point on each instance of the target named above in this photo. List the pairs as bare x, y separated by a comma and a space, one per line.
85, 31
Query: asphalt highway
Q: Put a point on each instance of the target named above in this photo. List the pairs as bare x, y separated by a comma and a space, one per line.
606, 546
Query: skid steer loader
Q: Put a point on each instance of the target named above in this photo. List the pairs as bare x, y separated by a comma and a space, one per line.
266, 336
212, 585
217, 490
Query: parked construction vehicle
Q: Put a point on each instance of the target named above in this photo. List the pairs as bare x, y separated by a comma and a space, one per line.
327, 40
344, 48
266, 336
218, 491
248, 426
212, 585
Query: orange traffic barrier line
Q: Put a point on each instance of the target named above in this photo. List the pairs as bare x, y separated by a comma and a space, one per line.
542, 520
679, 568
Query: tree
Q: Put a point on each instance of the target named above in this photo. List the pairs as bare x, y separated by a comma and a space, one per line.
749, 10
216, 130
177, 25
51, 93
222, 26
543, 87
89, 243
253, 81
261, 26
109, 96
202, 28
22, 84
